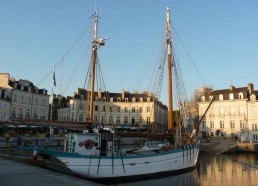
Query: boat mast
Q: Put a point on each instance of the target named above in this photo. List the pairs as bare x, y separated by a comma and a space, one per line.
170, 65
96, 43
93, 64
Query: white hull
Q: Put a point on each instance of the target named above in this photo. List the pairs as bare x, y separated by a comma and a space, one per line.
96, 167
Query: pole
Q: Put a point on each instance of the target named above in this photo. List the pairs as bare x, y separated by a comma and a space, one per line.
170, 65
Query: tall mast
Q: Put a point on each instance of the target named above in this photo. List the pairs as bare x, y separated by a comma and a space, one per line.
96, 43
170, 65
93, 64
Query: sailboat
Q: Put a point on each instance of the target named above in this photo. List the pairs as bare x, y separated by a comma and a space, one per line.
95, 156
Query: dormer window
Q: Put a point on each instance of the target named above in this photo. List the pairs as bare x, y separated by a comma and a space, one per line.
241, 95
119, 100
141, 99
148, 99
126, 99
133, 100
104, 99
210, 98
203, 98
231, 96
96, 98
221, 97
111, 99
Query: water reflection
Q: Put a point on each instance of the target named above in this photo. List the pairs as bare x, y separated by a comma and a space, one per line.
232, 169
186, 179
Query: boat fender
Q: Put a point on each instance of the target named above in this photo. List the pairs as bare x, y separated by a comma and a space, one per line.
88, 144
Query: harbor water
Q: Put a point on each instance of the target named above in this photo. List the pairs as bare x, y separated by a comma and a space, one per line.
213, 170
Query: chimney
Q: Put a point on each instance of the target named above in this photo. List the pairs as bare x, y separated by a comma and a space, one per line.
123, 94
231, 88
99, 94
250, 88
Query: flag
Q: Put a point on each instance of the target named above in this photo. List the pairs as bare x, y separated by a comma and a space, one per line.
54, 78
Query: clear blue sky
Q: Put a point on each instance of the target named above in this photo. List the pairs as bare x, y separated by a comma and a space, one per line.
221, 37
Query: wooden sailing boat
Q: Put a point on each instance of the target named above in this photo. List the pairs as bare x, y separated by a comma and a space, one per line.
94, 156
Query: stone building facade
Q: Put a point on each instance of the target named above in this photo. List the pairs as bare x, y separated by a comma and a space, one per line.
115, 109
4, 105
233, 113
26, 100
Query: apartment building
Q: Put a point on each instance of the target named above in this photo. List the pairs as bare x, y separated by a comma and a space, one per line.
231, 112
26, 100
116, 108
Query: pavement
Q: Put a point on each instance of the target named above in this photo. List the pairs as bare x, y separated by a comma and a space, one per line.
218, 145
13, 173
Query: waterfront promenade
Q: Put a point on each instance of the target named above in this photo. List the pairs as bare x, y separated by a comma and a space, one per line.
22, 170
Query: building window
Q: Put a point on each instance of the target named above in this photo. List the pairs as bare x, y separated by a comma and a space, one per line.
133, 109
148, 119
231, 96
140, 119
221, 97
203, 124
254, 126
221, 111
140, 109
253, 111
126, 109
13, 111
241, 95
110, 119
72, 117
212, 124
242, 124
118, 119
255, 137
80, 117
81, 106
118, 109
133, 119
35, 114
232, 111
103, 109
241, 110
148, 109
27, 113
222, 124
95, 118
20, 112
125, 119
96, 108
232, 124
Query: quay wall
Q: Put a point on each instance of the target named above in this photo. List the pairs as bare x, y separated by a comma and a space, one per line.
247, 147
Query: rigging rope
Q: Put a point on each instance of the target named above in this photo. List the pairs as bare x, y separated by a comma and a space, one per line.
188, 54
49, 73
